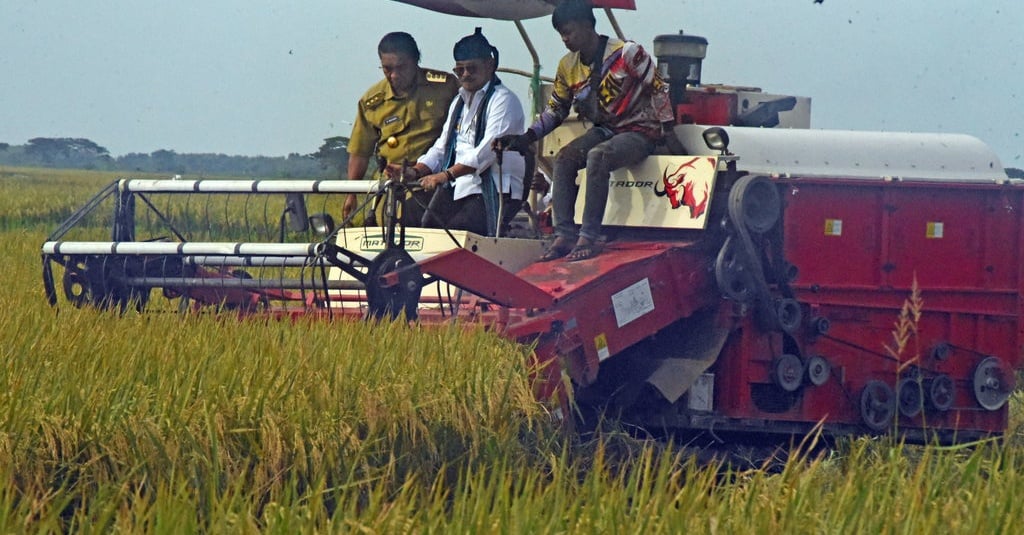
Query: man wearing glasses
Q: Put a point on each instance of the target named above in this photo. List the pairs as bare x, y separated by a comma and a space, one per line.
400, 116
473, 190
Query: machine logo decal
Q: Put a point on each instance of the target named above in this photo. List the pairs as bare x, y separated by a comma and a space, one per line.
375, 242
684, 190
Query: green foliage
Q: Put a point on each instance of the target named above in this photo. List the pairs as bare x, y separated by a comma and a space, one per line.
333, 155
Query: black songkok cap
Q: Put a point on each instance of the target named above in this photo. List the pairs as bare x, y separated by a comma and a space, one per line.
474, 46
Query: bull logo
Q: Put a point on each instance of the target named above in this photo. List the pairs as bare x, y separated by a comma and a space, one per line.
681, 190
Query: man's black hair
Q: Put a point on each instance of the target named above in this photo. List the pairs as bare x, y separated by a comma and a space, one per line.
475, 46
399, 43
570, 10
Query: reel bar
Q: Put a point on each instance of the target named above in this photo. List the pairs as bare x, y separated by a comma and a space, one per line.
255, 261
137, 185
182, 248
241, 283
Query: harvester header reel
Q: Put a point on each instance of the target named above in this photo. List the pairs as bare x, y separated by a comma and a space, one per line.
235, 244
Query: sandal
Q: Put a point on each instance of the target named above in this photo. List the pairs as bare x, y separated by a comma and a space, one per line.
558, 248
584, 251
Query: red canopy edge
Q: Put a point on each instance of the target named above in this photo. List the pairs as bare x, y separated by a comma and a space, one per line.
506, 9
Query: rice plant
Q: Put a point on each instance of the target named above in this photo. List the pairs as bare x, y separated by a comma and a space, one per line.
198, 423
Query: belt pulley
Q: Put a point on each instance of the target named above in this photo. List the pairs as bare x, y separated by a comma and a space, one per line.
752, 255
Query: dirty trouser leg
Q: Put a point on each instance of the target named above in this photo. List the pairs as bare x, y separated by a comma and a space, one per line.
621, 150
570, 159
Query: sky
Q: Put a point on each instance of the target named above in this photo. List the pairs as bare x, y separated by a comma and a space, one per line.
273, 77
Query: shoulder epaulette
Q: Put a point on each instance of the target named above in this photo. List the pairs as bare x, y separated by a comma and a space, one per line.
374, 100
438, 77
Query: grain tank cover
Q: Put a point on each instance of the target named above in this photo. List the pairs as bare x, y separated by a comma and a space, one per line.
855, 154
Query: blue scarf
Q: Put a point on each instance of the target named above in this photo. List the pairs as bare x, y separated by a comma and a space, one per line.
490, 192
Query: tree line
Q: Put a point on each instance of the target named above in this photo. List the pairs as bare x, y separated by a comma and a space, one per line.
328, 161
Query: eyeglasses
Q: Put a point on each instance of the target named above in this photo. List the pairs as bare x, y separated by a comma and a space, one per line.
466, 70
388, 69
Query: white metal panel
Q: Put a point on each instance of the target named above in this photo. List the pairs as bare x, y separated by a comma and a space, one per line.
855, 154
659, 192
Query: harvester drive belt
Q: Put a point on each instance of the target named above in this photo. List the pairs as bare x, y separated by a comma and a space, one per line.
755, 209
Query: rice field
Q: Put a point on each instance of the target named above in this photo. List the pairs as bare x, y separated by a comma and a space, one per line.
168, 423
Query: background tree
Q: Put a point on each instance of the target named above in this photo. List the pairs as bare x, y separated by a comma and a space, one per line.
333, 156
76, 151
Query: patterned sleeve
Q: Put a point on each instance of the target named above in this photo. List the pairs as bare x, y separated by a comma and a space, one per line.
641, 66
559, 105
639, 63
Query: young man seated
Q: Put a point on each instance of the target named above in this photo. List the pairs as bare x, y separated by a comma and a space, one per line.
615, 86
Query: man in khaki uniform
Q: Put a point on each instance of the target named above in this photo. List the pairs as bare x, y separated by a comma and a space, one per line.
400, 116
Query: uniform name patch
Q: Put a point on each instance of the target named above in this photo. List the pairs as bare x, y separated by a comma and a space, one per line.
392, 119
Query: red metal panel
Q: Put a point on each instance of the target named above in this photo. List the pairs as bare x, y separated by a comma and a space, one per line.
833, 232
938, 235
703, 107
467, 270
962, 244
602, 318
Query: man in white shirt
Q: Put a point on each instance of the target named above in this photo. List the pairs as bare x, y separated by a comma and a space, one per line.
473, 189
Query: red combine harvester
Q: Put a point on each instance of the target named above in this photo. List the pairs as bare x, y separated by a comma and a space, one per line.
767, 279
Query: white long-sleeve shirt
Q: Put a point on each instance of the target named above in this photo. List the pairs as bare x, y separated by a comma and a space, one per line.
504, 116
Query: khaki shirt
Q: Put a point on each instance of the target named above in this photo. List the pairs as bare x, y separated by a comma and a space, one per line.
414, 122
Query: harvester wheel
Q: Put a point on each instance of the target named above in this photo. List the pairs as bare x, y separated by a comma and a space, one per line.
939, 390
877, 405
789, 315
910, 392
389, 301
788, 372
818, 370
992, 384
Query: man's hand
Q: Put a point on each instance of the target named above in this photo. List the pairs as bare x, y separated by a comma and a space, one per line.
521, 143
412, 172
432, 181
349, 206
393, 171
